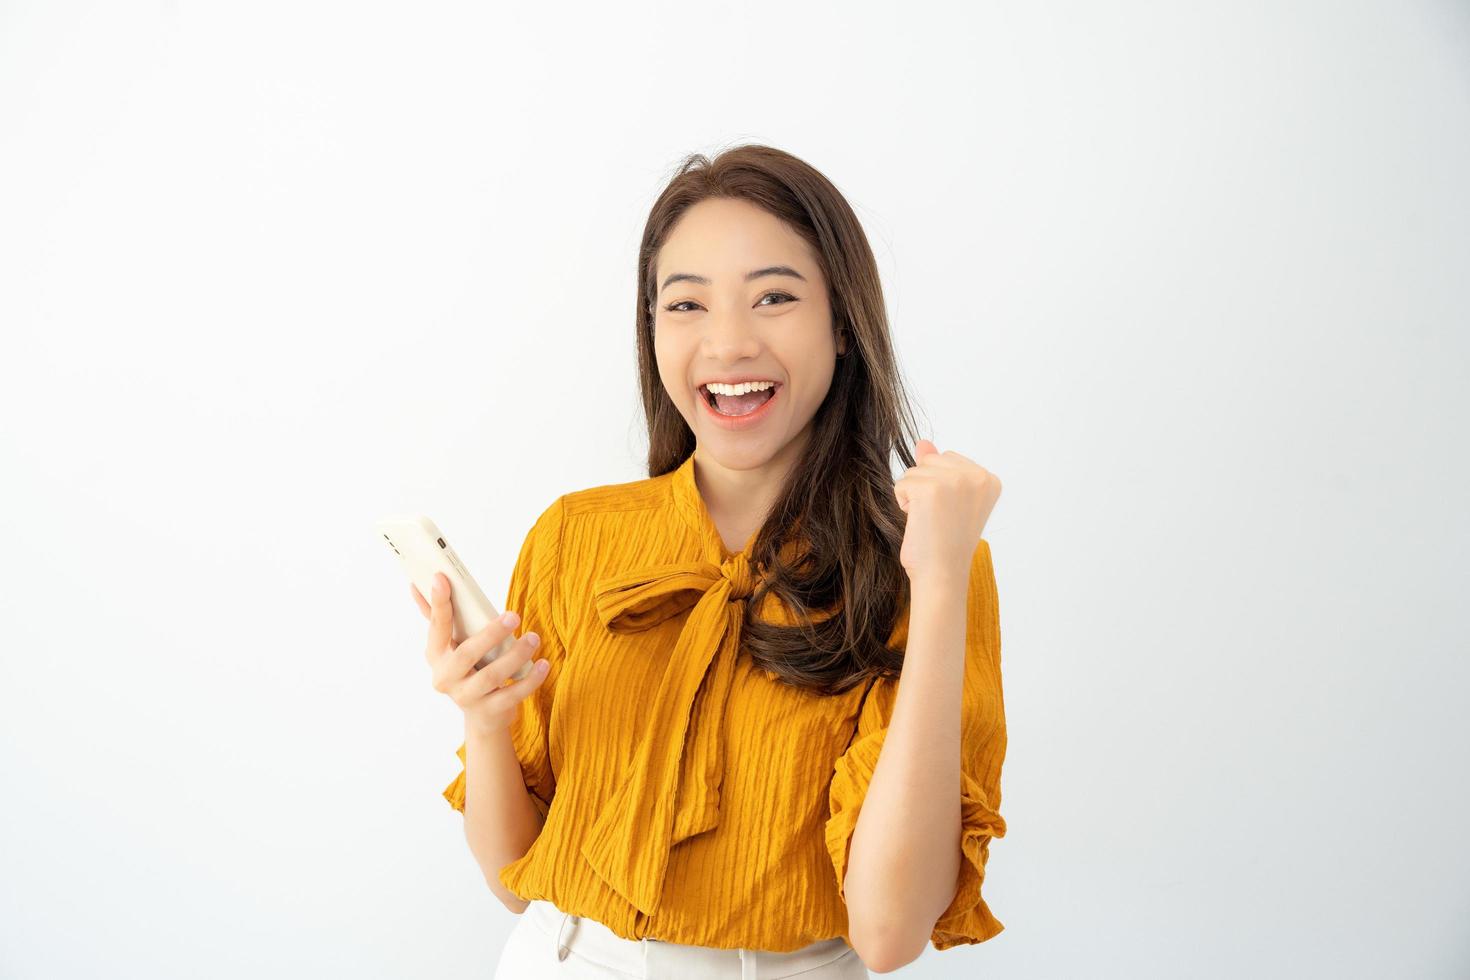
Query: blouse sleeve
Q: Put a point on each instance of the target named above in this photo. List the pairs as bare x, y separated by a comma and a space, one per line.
982, 752
534, 594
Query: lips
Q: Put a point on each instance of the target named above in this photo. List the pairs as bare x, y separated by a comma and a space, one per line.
709, 396
735, 423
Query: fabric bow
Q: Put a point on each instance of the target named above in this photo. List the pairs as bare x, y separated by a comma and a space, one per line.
672, 789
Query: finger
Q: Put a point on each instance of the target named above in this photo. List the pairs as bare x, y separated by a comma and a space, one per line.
441, 622
469, 653
518, 690
419, 598
494, 674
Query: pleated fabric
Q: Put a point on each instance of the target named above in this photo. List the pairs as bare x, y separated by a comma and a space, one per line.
688, 795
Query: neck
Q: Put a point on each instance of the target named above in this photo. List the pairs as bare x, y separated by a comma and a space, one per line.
738, 500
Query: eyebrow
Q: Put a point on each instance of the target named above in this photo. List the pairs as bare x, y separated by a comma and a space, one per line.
770, 270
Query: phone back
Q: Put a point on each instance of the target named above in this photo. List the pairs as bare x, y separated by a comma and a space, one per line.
423, 550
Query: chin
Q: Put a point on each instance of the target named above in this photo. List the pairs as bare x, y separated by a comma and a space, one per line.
733, 454
745, 458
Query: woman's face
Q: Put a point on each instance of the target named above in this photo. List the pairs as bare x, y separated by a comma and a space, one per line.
711, 323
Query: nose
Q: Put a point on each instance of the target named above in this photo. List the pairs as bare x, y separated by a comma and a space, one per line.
730, 337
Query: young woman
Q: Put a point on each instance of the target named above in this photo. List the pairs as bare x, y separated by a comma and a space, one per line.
715, 770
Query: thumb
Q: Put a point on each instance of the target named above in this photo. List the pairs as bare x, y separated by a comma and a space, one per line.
924, 446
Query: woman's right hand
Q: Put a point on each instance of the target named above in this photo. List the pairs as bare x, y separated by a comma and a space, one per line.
487, 705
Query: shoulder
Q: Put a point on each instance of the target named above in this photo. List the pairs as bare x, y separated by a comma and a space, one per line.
616, 498
602, 513
607, 498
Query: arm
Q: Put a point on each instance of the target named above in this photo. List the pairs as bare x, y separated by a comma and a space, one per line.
501, 819
507, 784
905, 857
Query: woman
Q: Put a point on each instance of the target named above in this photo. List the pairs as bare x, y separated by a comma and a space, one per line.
680, 793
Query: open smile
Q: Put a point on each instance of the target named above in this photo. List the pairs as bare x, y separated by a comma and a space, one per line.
739, 422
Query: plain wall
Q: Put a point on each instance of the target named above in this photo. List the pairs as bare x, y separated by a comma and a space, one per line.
1190, 278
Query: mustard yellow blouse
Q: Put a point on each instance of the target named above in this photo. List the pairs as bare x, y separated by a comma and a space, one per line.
688, 795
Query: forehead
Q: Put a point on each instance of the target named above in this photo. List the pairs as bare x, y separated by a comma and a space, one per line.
723, 238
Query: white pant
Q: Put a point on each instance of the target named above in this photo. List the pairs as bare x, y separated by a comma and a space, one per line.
547, 942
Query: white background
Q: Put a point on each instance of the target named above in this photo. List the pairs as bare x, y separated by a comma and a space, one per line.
1190, 278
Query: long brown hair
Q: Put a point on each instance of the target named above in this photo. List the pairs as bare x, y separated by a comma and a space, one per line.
842, 578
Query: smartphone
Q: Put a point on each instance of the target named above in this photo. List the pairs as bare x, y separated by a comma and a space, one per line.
423, 550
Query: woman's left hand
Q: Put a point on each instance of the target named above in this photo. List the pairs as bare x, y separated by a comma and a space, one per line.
948, 498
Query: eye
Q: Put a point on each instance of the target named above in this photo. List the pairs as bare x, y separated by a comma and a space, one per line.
785, 298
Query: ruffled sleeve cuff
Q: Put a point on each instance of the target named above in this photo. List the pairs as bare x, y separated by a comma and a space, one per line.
454, 792
968, 918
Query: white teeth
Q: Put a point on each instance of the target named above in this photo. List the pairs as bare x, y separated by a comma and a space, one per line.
740, 389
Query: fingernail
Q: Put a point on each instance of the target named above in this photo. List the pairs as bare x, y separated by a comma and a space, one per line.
438, 585
510, 619
533, 639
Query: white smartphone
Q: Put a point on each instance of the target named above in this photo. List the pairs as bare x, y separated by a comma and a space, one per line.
422, 550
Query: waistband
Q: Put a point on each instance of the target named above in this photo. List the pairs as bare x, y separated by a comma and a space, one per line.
656, 959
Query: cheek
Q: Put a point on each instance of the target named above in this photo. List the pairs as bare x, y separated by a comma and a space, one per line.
816, 357
672, 368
